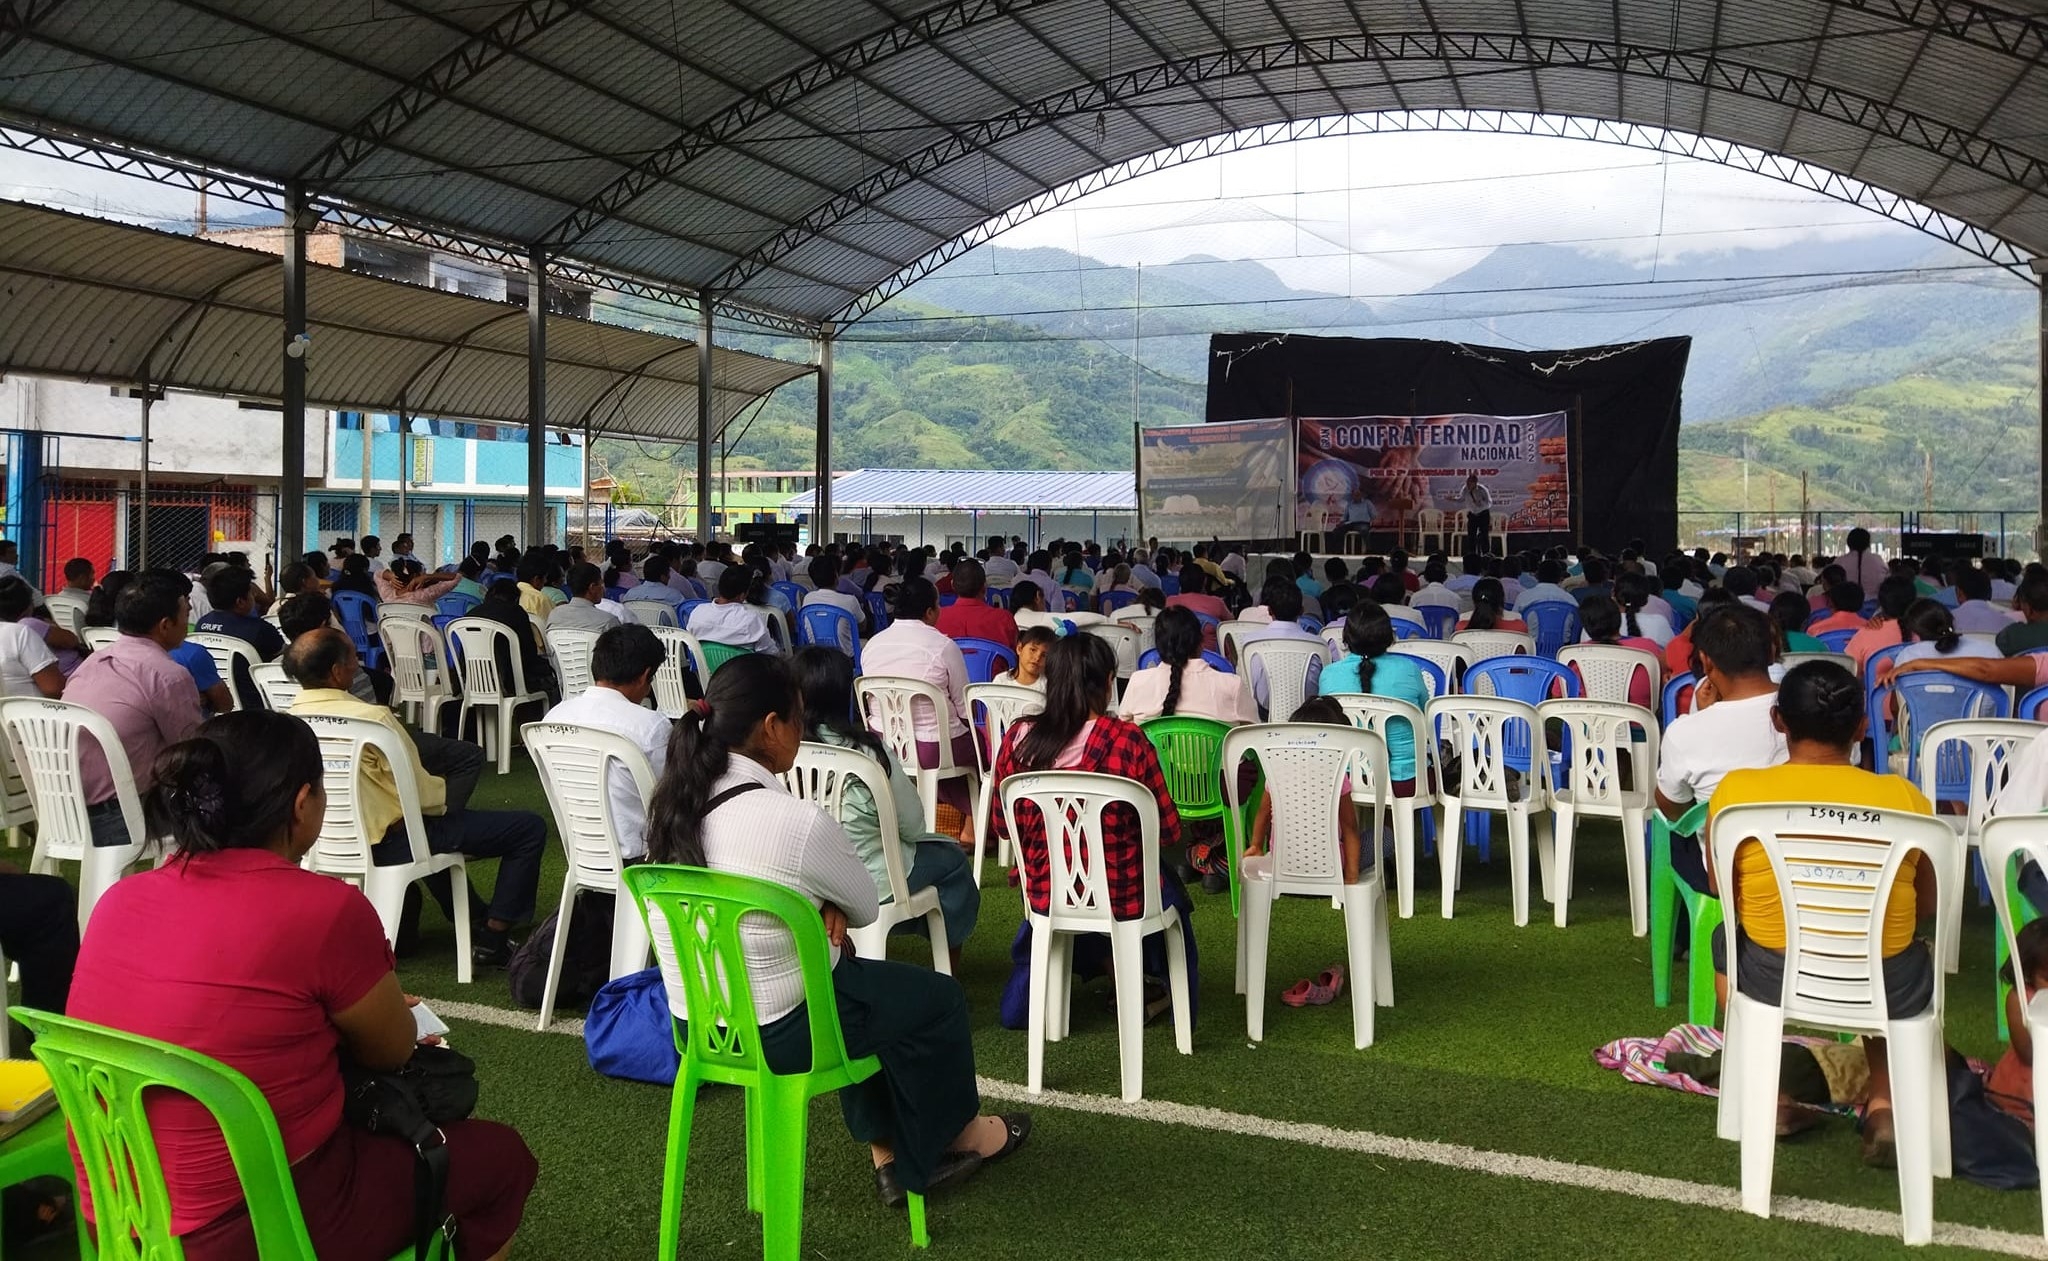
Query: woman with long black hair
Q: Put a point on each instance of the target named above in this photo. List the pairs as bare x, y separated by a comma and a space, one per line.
721, 806
1182, 682
1489, 609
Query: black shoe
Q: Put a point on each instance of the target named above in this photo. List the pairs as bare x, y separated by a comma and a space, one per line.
490, 948
954, 1167
1215, 882
1187, 874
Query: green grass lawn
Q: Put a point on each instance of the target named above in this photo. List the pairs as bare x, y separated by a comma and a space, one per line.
1488, 1046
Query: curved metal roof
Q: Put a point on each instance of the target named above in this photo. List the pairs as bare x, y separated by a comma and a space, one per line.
793, 155
128, 305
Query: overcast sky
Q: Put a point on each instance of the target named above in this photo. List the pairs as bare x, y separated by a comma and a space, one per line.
1360, 214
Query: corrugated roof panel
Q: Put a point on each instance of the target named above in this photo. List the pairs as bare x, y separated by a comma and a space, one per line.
971, 489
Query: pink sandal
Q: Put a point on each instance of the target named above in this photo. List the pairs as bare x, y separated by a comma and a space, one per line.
1318, 992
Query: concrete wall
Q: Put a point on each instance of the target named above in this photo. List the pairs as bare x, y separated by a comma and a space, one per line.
190, 434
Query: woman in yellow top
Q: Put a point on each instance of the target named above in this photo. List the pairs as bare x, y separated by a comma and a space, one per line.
1820, 710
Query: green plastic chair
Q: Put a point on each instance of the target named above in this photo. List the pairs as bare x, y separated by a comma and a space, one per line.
1191, 757
100, 1075
1704, 912
2023, 914
721, 1042
717, 654
38, 1152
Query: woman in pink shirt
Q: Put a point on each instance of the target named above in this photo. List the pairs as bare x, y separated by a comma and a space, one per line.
1183, 683
233, 950
1194, 596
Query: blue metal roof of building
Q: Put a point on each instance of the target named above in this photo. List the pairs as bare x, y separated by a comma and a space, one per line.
963, 490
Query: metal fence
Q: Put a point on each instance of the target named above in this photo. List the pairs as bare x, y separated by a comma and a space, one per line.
2007, 532
111, 526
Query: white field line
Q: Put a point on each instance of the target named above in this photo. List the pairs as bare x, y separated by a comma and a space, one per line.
1642, 1186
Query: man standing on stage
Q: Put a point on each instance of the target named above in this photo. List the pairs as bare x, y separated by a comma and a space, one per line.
1477, 504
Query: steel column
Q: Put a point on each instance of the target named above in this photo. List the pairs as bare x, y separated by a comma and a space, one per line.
707, 419
291, 498
536, 396
142, 476
822, 498
2040, 266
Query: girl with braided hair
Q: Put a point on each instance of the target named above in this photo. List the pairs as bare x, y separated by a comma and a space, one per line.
1182, 682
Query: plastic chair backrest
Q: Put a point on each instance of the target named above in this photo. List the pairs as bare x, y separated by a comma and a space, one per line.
1880, 718
890, 705
1441, 619
67, 610
16, 805
356, 611
45, 737
830, 625
1448, 659
878, 610
1190, 753
1553, 623
1073, 806
1597, 734
1677, 699
687, 607
1305, 766
456, 604
2030, 705
1529, 679
1377, 713
821, 775
985, 658
1607, 672
1931, 696
1486, 643
1169, 584
714, 654
991, 709
410, 643
235, 658
98, 637
650, 612
343, 848
279, 689
1150, 657
1285, 664
1967, 760
2004, 839
1835, 867
1836, 640
1793, 659
1403, 629
1229, 633
1486, 734
474, 641
1333, 637
1123, 640
702, 912
576, 766
104, 1078
1113, 600
571, 649
792, 592
681, 653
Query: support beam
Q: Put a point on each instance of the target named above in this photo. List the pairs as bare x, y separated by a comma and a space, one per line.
2040, 266
821, 510
142, 474
536, 397
405, 474
707, 416
291, 498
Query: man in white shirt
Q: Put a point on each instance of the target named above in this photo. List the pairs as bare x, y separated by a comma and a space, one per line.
913, 647
27, 666
825, 580
1730, 727
1433, 589
729, 619
1549, 580
1001, 570
1282, 600
1476, 502
716, 556
373, 547
584, 611
1741, 582
622, 668
1475, 569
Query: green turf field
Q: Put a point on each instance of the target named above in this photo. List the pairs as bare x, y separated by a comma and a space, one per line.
1488, 1048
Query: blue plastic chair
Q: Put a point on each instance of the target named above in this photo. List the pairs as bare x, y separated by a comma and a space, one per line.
1150, 657
878, 610
1442, 621
456, 604
1675, 695
1169, 585
2030, 705
1874, 707
1836, 640
1554, 624
791, 592
1114, 600
830, 625
357, 611
1933, 696
1210, 625
686, 608
947, 599
615, 593
1870, 607
1311, 625
1529, 679
1405, 629
1439, 683
985, 658
1072, 600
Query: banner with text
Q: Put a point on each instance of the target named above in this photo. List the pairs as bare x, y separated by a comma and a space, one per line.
1378, 472
1227, 480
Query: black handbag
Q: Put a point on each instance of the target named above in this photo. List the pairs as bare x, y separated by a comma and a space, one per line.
436, 1087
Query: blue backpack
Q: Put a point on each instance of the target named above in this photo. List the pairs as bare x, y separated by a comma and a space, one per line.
629, 1032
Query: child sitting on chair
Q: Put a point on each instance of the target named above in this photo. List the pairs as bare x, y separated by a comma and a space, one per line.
1032, 641
2011, 1085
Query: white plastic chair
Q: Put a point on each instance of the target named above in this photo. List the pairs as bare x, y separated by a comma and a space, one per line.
486, 692
401, 608
17, 805
279, 689
1842, 659
1333, 639
1607, 670
1477, 728
67, 610
1429, 524
571, 650
1451, 658
1228, 635
889, 706
1284, 665
1597, 734
1835, 868
999, 705
1123, 640
44, 738
2022, 836
821, 775
1373, 713
1072, 804
345, 844
650, 612
1481, 644
1305, 766
576, 764
419, 670
225, 651
684, 653
1987, 747
98, 637
1140, 621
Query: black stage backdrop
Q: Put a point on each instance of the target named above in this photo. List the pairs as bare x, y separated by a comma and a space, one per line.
1623, 400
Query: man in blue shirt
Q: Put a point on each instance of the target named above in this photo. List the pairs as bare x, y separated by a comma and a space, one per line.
231, 591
